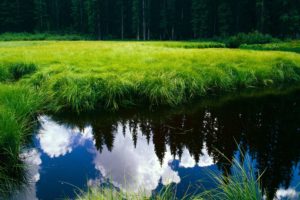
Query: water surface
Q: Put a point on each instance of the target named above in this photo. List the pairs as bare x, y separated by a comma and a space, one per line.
145, 149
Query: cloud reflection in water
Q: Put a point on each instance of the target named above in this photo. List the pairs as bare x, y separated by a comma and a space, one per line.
126, 166
57, 140
131, 168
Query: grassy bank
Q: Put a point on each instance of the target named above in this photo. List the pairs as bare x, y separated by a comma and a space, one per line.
90, 75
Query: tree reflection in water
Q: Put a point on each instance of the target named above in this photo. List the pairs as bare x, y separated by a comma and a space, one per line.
266, 127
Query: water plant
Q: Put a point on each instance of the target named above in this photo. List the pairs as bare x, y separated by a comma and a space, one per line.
241, 183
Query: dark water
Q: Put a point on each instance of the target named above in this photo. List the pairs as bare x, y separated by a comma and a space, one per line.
143, 149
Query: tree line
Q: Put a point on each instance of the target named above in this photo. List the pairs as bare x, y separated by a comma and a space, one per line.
152, 19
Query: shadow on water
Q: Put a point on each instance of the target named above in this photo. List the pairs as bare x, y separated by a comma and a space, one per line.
267, 127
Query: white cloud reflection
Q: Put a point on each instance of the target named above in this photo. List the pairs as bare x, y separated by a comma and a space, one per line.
132, 169
205, 159
57, 140
290, 194
187, 161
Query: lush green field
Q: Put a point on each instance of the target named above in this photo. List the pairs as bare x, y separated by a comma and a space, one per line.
87, 75
82, 76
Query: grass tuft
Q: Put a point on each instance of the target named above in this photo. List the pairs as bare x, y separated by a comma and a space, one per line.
242, 183
17, 108
15, 71
18, 70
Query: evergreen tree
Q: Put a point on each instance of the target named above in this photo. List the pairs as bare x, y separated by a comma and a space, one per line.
152, 19
136, 18
200, 18
79, 17
224, 18
261, 14
163, 20
171, 19
40, 14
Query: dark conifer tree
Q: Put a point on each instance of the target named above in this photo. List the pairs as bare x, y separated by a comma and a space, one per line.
152, 19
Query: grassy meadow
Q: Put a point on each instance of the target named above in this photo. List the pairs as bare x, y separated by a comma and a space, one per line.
84, 76
81, 76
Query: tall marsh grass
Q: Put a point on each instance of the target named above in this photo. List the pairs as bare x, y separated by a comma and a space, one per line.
84, 76
18, 105
15, 71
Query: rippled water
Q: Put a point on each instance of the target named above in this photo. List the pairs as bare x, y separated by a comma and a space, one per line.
143, 149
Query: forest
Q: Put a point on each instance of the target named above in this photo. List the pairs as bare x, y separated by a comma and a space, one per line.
152, 19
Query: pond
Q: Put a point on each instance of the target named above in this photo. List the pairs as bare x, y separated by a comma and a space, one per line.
149, 149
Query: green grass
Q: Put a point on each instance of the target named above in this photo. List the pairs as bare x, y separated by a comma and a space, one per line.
94, 75
15, 71
18, 105
292, 46
17, 108
242, 183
